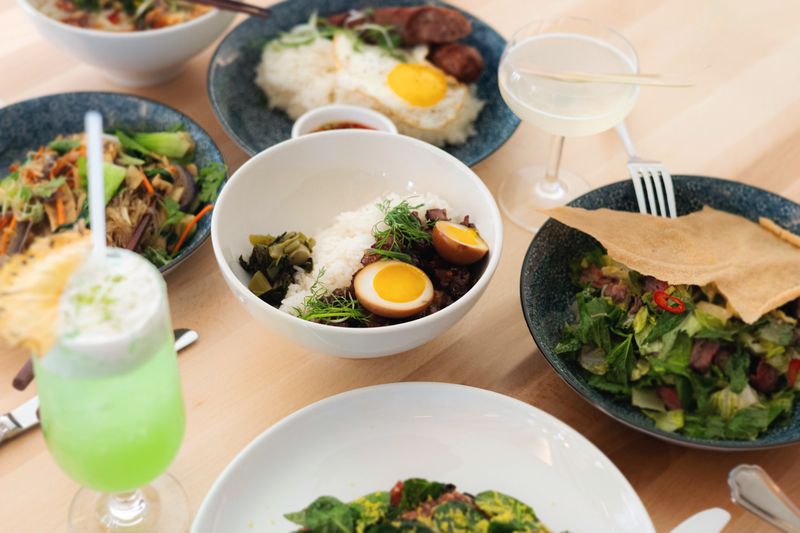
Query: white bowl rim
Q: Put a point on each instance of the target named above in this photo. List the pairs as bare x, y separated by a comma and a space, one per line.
119, 35
495, 249
387, 124
410, 386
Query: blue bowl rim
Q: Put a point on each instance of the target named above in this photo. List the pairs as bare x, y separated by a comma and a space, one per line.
570, 379
187, 252
229, 130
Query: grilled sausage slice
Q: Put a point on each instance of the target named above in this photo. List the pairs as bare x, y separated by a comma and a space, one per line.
461, 61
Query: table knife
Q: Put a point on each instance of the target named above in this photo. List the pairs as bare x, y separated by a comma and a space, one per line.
24, 417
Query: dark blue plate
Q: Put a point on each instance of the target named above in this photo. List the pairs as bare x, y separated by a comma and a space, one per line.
241, 105
27, 125
547, 293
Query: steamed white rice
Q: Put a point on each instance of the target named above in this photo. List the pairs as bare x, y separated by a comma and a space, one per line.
341, 246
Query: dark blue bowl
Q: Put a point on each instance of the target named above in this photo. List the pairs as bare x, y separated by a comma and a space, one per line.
241, 106
547, 293
27, 125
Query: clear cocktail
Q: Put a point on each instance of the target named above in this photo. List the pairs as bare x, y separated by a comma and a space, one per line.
561, 108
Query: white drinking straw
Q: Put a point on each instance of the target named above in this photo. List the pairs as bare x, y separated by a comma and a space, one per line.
93, 123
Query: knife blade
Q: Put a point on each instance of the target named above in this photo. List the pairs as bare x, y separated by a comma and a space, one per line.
24, 417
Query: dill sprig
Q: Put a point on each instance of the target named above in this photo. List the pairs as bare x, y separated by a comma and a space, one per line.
402, 228
323, 306
390, 254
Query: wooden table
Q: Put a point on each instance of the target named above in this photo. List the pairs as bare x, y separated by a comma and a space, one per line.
740, 121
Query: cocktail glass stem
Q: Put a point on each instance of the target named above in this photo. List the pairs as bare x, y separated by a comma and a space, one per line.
125, 509
550, 186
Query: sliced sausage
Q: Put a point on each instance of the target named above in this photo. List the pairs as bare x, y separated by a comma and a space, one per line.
670, 397
766, 377
703, 352
461, 61
652, 284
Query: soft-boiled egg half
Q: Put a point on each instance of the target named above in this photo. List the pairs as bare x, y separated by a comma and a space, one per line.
412, 91
393, 289
457, 243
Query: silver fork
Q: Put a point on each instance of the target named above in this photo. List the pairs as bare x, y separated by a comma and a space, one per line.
655, 176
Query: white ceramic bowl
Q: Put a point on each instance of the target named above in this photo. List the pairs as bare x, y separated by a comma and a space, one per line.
133, 59
302, 184
319, 116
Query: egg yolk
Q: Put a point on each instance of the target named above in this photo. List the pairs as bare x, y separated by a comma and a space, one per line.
399, 283
461, 234
419, 85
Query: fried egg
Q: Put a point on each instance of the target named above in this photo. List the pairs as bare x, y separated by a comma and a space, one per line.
393, 289
414, 91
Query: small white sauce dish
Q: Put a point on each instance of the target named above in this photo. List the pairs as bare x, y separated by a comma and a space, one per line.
320, 116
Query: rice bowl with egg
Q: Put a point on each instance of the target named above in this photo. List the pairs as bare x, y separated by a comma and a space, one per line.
393, 260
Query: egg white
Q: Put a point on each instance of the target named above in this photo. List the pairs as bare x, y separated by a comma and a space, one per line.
364, 284
362, 75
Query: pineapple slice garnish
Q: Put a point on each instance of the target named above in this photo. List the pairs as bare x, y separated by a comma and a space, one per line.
31, 284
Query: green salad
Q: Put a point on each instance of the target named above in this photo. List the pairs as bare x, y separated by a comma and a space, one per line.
419, 506
680, 354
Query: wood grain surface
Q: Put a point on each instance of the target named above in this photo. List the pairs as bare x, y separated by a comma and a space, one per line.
740, 121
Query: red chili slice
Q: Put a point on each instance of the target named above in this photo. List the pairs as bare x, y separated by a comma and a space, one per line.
667, 302
396, 494
791, 374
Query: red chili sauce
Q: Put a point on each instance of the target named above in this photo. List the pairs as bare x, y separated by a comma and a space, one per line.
343, 125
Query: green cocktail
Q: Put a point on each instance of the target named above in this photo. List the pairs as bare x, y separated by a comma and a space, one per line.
110, 395
114, 433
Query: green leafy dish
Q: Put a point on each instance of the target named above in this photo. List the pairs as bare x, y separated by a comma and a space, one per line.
679, 354
419, 506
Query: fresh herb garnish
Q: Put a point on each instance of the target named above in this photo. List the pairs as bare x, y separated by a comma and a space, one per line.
400, 227
211, 177
330, 308
390, 254
159, 259
173, 212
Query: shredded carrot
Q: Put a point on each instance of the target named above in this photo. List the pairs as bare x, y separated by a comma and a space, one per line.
7, 233
13, 167
148, 185
189, 227
59, 210
40, 153
58, 167
83, 150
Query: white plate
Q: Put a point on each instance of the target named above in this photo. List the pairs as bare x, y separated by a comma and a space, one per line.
367, 439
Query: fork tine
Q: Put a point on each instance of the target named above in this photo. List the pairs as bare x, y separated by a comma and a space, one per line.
637, 187
651, 199
665, 175
659, 192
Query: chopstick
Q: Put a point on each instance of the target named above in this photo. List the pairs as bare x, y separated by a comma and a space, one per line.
622, 78
235, 5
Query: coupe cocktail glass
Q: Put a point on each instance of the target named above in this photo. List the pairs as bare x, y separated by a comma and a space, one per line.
561, 108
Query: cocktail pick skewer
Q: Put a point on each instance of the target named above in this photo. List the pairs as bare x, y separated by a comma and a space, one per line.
622, 78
